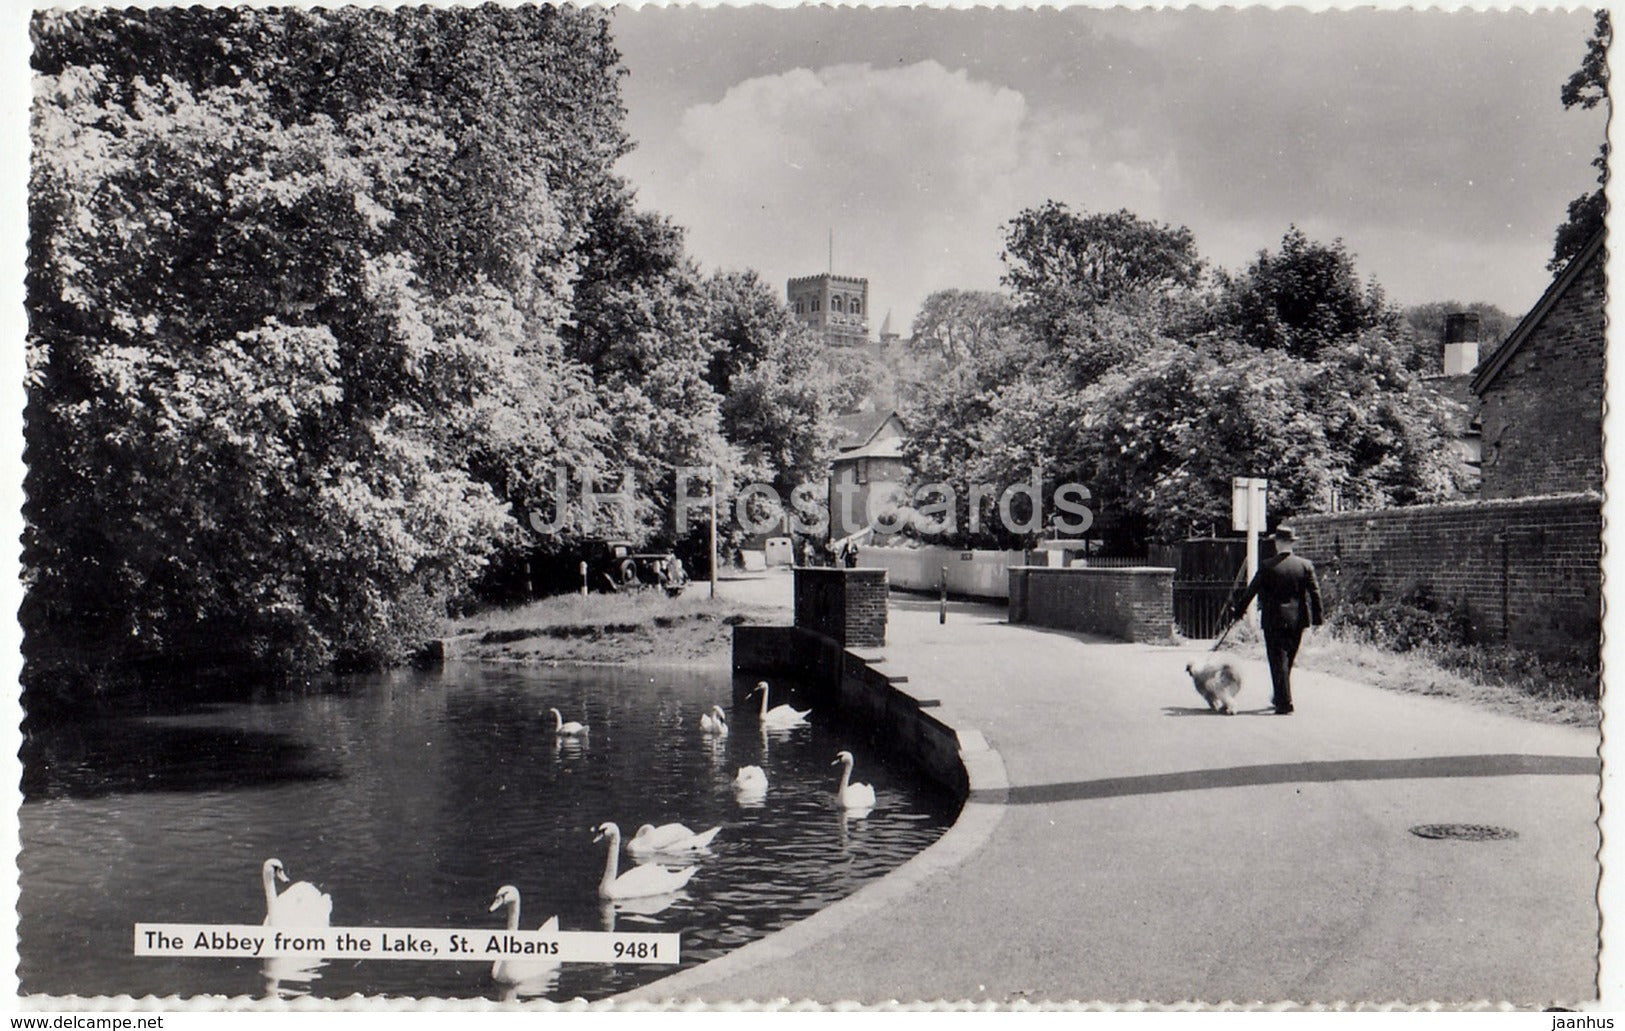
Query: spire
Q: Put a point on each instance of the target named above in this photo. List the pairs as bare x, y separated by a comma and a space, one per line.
885, 325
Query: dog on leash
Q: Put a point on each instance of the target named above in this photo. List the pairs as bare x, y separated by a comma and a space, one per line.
1217, 683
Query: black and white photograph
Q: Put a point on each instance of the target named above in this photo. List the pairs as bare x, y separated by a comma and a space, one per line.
531, 506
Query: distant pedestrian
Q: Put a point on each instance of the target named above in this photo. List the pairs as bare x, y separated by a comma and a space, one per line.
849, 555
1288, 604
806, 551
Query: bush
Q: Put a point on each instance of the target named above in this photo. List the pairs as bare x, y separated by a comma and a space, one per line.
1416, 619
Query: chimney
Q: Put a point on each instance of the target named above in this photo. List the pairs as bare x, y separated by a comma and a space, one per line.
1460, 343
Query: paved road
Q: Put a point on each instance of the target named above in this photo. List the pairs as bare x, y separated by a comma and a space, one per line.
1148, 850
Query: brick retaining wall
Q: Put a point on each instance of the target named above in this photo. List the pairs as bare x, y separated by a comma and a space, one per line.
1527, 570
1133, 604
846, 605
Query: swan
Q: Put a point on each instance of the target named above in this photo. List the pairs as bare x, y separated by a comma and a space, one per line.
852, 796
669, 839
780, 716
519, 971
640, 881
563, 729
714, 723
750, 780
301, 905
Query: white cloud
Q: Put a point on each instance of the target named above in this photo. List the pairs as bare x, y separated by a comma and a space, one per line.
915, 168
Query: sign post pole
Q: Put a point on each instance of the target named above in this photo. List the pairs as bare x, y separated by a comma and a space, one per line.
1248, 511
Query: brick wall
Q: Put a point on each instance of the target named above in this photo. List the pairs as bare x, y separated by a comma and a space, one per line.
846, 605
1542, 413
1132, 604
1527, 570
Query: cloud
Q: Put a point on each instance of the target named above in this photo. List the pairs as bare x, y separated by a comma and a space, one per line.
915, 168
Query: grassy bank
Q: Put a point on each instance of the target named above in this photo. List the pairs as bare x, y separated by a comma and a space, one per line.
1500, 679
645, 626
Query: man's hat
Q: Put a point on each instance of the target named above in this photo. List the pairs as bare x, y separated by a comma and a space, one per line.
1284, 533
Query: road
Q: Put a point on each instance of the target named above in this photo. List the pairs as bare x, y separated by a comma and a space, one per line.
1148, 850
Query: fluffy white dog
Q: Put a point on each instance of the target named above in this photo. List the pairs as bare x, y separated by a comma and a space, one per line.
1217, 682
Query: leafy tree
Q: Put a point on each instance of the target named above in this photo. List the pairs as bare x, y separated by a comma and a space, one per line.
1303, 298
1585, 89
1053, 256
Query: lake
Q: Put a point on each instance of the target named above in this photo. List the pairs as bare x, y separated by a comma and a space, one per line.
410, 797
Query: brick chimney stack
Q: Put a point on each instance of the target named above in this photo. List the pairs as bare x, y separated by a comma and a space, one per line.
1460, 343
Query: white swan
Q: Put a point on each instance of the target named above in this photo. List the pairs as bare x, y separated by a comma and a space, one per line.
640, 881
750, 780
301, 905
849, 795
520, 971
714, 723
668, 839
563, 729
780, 716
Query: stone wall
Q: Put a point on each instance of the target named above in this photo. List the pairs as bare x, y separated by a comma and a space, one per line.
1528, 571
846, 605
854, 687
1131, 604
1542, 412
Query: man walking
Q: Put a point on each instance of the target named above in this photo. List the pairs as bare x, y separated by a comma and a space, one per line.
1288, 604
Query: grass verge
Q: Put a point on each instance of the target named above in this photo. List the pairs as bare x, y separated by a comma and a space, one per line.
1504, 680
606, 628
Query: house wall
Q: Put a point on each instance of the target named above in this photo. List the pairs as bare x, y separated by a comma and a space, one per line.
882, 473
1542, 414
1527, 570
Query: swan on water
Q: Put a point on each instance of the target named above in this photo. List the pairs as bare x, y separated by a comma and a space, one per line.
780, 716
520, 971
640, 881
301, 905
714, 722
751, 780
849, 795
571, 729
668, 839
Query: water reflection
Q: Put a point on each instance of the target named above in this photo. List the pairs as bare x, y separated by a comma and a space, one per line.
407, 797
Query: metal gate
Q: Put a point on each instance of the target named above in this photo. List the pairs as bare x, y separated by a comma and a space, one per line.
1207, 571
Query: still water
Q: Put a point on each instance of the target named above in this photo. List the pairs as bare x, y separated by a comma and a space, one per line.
410, 798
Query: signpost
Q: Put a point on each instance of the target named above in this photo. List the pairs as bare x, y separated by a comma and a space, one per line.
1248, 511
713, 530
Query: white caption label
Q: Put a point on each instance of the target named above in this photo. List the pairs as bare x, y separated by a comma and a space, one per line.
254, 941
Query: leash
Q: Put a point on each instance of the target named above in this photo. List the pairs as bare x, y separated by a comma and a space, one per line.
1240, 572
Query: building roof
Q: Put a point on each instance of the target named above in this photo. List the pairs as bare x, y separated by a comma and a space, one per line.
1491, 367
855, 429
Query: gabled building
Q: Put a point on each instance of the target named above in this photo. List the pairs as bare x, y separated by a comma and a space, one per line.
1541, 391
868, 459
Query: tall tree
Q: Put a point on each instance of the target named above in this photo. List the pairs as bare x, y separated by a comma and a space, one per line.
1303, 298
1585, 89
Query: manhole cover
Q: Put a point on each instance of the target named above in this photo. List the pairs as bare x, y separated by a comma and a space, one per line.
1463, 832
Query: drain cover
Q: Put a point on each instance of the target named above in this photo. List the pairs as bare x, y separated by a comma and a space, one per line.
1463, 832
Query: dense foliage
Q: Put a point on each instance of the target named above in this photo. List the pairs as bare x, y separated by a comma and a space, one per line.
322, 304
1154, 393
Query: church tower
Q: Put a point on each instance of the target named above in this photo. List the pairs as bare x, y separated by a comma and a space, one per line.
835, 306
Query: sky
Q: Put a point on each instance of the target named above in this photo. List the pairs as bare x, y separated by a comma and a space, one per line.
1433, 144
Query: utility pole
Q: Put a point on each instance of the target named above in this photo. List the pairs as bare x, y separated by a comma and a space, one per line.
713, 529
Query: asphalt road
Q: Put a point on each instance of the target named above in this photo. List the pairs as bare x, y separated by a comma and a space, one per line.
1148, 850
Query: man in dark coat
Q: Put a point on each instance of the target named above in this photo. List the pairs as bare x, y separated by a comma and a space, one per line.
1288, 604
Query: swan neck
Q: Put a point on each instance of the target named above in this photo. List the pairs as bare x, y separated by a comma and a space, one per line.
612, 861
513, 915
269, 877
764, 701
846, 776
